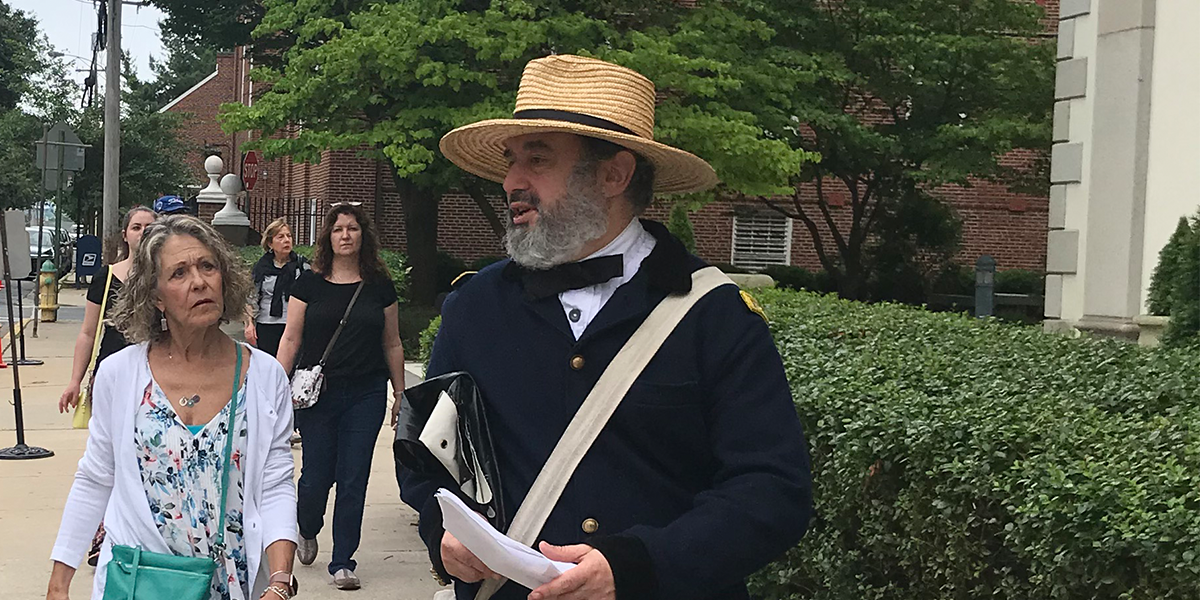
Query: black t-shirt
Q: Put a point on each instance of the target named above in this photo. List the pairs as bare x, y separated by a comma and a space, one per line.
359, 349
112, 341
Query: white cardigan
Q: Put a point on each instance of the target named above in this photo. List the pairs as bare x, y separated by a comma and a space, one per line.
108, 483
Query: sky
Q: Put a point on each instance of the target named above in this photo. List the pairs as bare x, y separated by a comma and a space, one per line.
69, 24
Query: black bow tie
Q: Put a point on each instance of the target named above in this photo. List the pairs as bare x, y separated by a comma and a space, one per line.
571, 276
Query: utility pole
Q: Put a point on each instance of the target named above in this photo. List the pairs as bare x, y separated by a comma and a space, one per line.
112, 127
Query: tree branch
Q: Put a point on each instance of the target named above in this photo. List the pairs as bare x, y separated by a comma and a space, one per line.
815, 232
485, 207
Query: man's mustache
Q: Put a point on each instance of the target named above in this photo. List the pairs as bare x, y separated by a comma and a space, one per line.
524, 196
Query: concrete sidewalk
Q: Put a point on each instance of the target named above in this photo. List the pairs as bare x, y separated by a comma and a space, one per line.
393, 563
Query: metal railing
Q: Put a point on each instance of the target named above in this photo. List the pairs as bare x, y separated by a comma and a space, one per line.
301, 215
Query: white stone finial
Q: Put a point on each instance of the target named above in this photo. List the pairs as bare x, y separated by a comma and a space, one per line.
231, 186
212, 194
213, 165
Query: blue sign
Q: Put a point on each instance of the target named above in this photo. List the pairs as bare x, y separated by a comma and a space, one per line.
87, 256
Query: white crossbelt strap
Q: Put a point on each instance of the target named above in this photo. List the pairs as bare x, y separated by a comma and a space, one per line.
596, 409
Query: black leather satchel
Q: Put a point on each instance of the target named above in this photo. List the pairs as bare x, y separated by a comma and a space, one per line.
442, 433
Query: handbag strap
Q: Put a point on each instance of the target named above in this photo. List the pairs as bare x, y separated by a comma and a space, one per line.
342, 324
598, 407
218, 549
100, 321
137, 562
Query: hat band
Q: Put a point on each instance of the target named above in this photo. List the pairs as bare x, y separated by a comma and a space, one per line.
550, 114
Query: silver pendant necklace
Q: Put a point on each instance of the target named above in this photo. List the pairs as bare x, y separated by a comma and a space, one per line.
185, 401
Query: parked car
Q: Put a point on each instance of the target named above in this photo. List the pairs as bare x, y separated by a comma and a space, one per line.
64, 242
48, 217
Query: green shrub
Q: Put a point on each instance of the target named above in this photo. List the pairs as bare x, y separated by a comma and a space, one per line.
680, 226
1020, 281
1162, 281
414, 319
427, 337
958, 459
797, 278
397, 265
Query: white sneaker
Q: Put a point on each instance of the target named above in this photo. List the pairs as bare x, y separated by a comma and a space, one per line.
345, 579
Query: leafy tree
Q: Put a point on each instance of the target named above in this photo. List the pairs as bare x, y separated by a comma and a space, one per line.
213, 24
19, 59
391, 78
152, 155
1184, 288
897, 98
680, 226
1163, 280
188, 62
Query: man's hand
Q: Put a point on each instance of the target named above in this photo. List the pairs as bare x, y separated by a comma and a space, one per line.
461, 564
592, 579
251, 334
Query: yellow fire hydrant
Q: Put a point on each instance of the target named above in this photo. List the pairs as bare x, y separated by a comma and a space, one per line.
48, 282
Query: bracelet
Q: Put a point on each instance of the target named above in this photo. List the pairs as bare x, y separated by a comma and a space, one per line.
438, 577
288, 579
279, 591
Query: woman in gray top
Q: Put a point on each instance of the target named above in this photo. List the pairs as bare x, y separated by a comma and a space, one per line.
273, 275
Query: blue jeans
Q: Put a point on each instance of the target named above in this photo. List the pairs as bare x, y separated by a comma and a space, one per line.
339, 434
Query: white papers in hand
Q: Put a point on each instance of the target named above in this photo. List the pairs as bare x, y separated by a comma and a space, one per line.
500, 553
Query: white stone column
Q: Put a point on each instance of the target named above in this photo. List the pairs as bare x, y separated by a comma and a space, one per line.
1099, 163
1173, 175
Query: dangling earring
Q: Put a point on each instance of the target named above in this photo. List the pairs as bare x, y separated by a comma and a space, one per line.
163, 323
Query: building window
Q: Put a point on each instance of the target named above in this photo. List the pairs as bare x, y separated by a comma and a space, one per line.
761, 239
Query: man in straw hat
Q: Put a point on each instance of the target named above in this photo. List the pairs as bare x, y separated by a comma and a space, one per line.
701, 475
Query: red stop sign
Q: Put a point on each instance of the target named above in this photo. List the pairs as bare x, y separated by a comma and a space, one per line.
250, 170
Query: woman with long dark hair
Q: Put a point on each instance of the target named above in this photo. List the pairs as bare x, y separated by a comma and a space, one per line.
340, 430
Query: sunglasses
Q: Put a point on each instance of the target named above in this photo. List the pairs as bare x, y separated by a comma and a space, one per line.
345, 203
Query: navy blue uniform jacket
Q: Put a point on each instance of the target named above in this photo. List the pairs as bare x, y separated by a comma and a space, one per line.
700, 478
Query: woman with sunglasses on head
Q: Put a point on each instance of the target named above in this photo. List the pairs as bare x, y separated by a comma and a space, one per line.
349, 281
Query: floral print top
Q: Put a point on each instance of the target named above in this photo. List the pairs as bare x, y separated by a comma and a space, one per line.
182, 476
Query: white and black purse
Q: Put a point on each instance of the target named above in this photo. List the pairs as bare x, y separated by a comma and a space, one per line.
308, 383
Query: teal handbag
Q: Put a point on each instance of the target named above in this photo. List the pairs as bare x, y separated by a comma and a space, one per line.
136, 574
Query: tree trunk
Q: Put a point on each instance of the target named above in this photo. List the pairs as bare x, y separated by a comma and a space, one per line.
420, 225
852, 284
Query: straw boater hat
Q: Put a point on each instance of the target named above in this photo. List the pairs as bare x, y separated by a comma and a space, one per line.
584, 96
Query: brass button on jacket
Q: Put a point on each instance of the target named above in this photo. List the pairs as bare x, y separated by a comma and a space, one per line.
590, 526
577, 362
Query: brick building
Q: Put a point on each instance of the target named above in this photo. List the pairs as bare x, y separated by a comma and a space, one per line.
1011, 227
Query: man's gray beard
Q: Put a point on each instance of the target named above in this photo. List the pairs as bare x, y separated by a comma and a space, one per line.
559, 235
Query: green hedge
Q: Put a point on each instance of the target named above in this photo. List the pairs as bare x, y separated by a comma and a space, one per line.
1175, 284
957, 458
427, 337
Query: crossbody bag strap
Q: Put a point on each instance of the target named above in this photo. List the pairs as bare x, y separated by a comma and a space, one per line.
342, 324
598, 407
218, 549
100, 321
